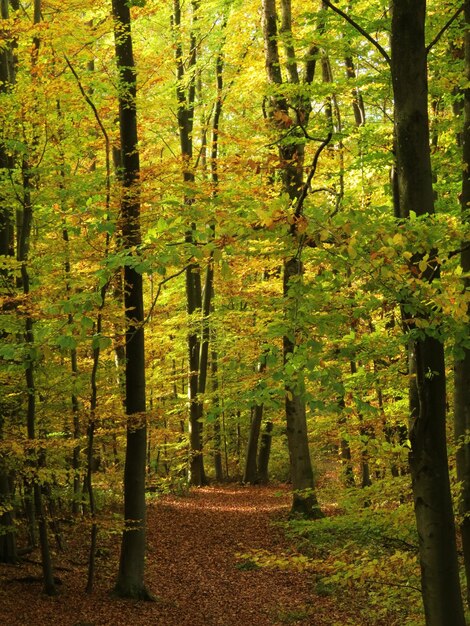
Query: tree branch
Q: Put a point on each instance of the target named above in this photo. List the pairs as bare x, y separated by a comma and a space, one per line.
359, 29
88, 100
311, 174
443, 29
159, 289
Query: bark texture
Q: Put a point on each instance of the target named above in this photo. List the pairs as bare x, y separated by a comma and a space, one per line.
428, 455
130, 582
462, 363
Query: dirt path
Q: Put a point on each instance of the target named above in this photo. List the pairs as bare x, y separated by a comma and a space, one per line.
193, 568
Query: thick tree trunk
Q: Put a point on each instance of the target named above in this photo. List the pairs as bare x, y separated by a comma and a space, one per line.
264, 453
462, 363
250, 475
130, 582
428, 456
197, 476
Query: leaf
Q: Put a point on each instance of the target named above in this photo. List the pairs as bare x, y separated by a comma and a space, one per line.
101, 342
67, 342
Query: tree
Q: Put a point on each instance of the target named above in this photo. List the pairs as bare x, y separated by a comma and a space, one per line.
186, 103
291, 155
8, 552
462, 360
428, 454
130, 582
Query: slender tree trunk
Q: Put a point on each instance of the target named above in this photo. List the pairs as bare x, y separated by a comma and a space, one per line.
8, 553
364, 432
250, 474
292, 161
462, 363
428, 456
186, 101
23, 249
130, 582
214, 155
219, 434
90, 438
76, 430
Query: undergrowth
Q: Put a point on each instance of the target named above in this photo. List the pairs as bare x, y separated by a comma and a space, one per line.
365, 555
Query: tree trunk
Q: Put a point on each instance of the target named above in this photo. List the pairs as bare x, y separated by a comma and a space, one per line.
251, 466
8, 552
185, 94
304, 498
462, 362
130, 582
428, 455
264, 453
292, 161
250, 475
23, 250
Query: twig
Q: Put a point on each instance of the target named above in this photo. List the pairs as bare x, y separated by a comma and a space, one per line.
160, 285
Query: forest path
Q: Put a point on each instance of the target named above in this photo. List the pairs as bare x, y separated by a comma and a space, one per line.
194, 566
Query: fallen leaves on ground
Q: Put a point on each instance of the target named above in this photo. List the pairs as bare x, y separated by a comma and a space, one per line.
193, 566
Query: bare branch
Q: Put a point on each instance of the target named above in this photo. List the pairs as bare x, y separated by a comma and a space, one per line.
359, 29
88, 100
159, 289
311, 174
443, 29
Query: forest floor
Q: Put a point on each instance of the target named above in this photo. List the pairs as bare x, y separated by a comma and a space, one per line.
198, 567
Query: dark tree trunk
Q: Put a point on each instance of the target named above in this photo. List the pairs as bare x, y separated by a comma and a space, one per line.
264, 453
218, 434
250, 475
428, 455
130, 582
304, 497
8, 552
23, 251
462, 362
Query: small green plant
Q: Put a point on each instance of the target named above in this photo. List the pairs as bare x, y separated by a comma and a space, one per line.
247, 565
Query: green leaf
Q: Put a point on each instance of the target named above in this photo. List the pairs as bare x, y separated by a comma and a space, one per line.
100, 342
67, 342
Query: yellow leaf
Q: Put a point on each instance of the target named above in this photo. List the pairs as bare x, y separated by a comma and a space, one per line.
423, 264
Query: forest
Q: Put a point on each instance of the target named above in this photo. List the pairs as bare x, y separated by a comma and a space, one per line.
234, 312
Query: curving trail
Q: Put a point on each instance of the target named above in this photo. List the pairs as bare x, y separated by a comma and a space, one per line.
193, 568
